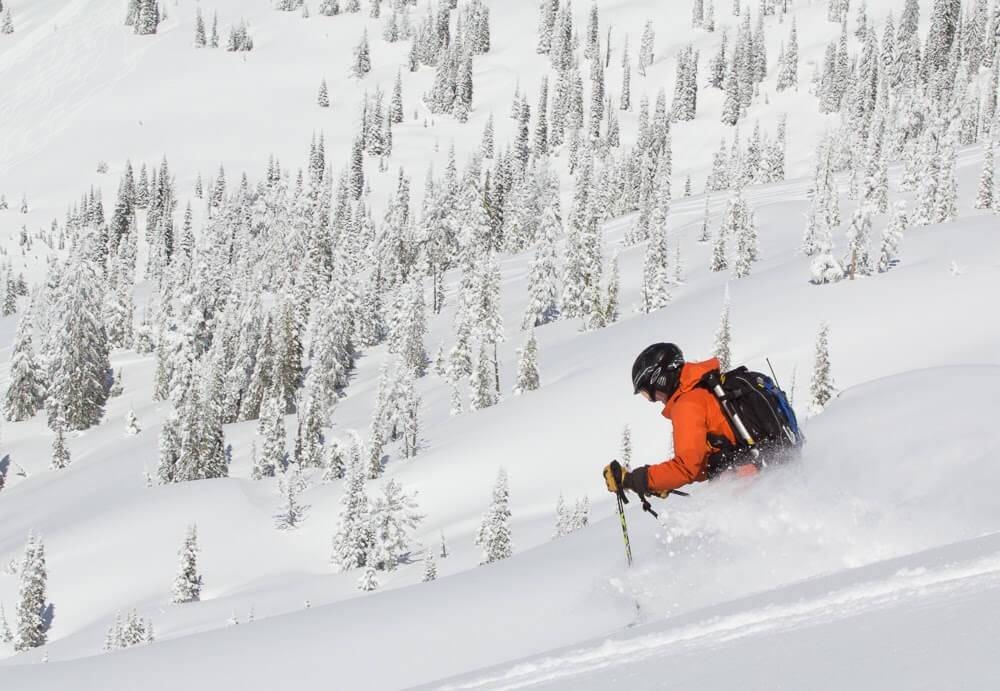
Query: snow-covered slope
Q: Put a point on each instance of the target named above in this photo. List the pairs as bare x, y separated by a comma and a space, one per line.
863, 566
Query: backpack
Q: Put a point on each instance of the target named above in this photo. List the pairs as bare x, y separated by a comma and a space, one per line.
752, 400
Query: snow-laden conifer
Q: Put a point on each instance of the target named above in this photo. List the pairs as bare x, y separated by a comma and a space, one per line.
292, 511
25, 392
430, 569
188, 582
394, 518
494, 535
32, 609
527, 365
353, 537
821, 386
984, 194
723, 336
892, 236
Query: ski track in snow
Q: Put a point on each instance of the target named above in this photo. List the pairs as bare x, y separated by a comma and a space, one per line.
905, 585
55, 71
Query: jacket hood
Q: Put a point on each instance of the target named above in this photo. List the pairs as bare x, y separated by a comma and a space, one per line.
691, 374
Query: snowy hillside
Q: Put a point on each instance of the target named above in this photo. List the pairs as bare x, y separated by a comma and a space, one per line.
325, 335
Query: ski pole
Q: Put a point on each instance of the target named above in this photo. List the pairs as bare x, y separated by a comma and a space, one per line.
621, 515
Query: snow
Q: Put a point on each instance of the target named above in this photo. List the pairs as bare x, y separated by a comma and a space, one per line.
873, 563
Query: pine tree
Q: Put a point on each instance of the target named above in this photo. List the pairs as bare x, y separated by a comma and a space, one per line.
353, 538
543, 279
188, 583
394, 517
396, 102
984, 195
79, 369
482, 380
494, 535
821, 387
369, 580
527, 365
625, 452
323, 99
562, 518
646, 47
273, 456
25, 391
430, 569
6, 635
891, 237
214, 39
32, 610
362, 64
200, 40
292, 511
487, 148
723, 337
60, 454
132, 427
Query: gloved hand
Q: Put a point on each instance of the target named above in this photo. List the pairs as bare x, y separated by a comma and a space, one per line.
615, 477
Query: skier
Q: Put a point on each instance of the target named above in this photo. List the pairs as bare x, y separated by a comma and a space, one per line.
705, 439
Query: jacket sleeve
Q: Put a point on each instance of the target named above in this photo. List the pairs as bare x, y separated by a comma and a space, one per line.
690, 449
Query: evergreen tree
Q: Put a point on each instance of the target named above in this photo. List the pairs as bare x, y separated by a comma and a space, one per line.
60, 454
394, 517
214, 38
188, 583
25, 391
292, 510
353, 538
323, 99
6, 635
274, 457
32, 611
625, 451
362, 64
723, 337
487, 148
79, 370
543, 295
430, 569
891, 237
821, 387
132, 427
200, 40
984, 195
482, 380
494, 535
369, 580
527, 365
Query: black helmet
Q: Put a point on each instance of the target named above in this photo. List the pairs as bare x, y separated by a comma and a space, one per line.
658, 368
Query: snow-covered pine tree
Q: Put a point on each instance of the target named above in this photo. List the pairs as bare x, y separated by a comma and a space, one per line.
891, 237
821, 387
188, 583
527, 365
25, 392
353, 538
79, 369
394, 517
543, 279
60, 454
723, 337
646, 47
200, 39
488, 147
494, 535
132, 427
6, 635
430, 569
562, 518
292, 511
32, 609
625, 450
274, 456
482, 383
323, 99
745, 229
369, 580
984, 195
361, 64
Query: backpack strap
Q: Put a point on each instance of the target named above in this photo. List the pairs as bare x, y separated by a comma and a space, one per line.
713, 382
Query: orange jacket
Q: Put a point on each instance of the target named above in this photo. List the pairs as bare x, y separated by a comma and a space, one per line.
695, 414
